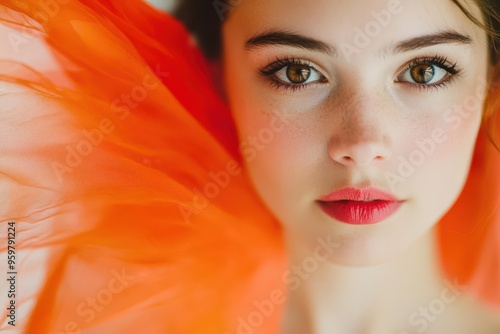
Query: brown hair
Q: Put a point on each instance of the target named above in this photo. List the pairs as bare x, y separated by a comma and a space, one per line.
491, 16
204, 19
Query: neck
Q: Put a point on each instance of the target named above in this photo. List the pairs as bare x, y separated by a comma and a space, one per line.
339, 299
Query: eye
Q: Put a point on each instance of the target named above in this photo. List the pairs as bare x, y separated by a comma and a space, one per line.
291, 73
298, 74
424, 74
428, 72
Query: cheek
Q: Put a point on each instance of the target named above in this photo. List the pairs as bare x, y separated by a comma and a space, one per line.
277, 148
278, 143
454, 137
436, 157
439, 145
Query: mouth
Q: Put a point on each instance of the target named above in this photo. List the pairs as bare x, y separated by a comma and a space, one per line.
360, 206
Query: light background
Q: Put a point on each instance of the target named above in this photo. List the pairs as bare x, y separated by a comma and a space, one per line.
167, 5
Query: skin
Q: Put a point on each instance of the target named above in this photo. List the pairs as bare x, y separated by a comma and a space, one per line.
352, 128
360, 113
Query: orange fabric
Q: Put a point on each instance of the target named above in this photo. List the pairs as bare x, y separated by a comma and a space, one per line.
108, 177
119, 165
469, 237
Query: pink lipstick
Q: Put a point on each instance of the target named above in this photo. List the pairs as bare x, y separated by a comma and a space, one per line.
359, 206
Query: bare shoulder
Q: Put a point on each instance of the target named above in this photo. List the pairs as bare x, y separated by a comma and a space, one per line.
483, 317
466, 315
493, 321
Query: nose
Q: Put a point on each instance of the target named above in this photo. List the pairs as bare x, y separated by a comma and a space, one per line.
358, 154
360, 142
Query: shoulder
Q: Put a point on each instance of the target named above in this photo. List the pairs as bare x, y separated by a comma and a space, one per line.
481, 317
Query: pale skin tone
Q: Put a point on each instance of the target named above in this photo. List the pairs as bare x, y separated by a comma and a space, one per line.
356, 114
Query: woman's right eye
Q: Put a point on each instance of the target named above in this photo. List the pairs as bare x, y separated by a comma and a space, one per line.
298, 74
292, 73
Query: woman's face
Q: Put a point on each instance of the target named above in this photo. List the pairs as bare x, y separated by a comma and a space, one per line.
328, 94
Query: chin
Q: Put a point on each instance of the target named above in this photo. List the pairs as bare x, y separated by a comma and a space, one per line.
364, 253
363, 246
362, 259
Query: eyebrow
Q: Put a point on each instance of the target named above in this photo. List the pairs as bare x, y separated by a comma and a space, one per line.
444, 37
287, 38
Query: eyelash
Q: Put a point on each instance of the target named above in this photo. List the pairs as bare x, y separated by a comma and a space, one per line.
280, 63
438, 61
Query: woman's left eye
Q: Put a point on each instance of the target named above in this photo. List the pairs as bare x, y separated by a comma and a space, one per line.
428, 72
424, 74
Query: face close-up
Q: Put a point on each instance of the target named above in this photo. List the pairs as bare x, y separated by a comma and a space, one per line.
329, 94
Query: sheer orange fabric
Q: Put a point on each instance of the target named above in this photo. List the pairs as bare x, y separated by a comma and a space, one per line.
120, 166
133, 213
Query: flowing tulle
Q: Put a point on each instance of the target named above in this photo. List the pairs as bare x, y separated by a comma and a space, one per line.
119, 165
133, 213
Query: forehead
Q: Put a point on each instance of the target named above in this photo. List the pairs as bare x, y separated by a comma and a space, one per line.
342, 21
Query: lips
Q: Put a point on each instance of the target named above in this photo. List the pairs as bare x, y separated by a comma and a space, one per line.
360, 206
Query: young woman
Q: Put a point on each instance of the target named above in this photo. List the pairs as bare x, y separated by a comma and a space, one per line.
361, 195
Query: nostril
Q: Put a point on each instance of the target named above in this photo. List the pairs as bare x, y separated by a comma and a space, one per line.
361, 153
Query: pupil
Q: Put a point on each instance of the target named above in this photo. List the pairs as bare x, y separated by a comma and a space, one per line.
298, 73
422, 73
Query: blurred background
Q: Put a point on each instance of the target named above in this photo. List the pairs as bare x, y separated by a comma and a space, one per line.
167, 5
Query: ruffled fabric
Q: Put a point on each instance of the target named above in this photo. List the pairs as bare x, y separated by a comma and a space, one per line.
119, 165
133, 213
469, 233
